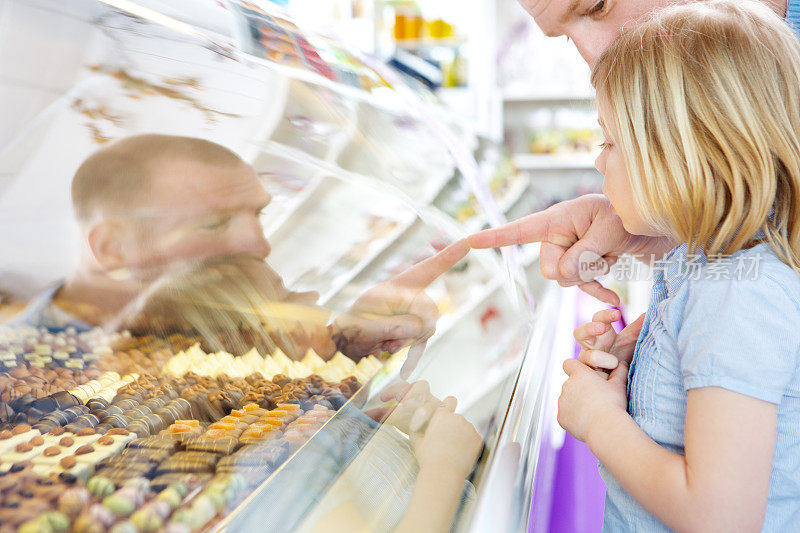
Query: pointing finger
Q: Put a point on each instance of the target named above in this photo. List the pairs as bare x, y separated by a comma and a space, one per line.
530, 228
426, 271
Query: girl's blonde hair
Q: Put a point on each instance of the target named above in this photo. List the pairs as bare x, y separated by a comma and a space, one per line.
705, 98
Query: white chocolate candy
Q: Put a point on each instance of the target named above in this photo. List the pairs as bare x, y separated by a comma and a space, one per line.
81, 470
8, 445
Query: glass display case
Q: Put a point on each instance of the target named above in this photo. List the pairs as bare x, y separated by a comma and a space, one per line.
234, 296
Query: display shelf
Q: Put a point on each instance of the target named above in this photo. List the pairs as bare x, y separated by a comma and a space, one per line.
358, 95
554, 161
505, 203
271, 119
496, 375
427, 44
343, 280
448, 321
296, 206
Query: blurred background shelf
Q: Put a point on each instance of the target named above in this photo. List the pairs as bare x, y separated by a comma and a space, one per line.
554, 161
524, 97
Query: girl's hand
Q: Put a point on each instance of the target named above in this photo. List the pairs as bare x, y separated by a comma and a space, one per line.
596, 339
450, 442
414, 408
601, 347
587, 395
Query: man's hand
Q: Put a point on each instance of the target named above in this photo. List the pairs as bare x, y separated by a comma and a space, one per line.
569, 229
397, 312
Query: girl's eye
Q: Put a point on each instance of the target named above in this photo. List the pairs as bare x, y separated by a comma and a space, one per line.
604, 145
598, 7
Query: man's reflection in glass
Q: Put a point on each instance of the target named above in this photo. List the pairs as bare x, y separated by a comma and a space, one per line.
148, 203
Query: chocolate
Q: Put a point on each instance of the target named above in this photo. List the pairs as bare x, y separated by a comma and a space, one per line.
61, 418
337, 400
65, 400
22, 402
154, 423
125, 404
149, 455
182, 407
271, 454
75, 412
97, 404
45, 405
164, 481
82, 422
110, 411
140, 428
68, 478
154, 404
44, 426
168, 416
138, 412
120, 474
118, 421
223, 446
157, 442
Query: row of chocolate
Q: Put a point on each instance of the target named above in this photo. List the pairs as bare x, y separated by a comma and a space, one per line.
195, 359
175, 446
24, 380
31, 394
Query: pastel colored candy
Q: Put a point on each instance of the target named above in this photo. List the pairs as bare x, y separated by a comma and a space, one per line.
100, 486
119, 504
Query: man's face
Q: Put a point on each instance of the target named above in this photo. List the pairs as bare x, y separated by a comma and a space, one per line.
591, 24
197, 211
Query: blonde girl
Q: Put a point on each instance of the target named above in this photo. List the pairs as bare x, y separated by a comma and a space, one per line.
700, 429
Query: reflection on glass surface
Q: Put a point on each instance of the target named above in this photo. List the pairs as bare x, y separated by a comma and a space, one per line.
226, 287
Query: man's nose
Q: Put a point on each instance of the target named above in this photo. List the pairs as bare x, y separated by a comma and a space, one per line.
592, 43
589, 53
251, 239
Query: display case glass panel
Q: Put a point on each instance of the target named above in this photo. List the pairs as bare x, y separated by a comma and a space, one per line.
229, 298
